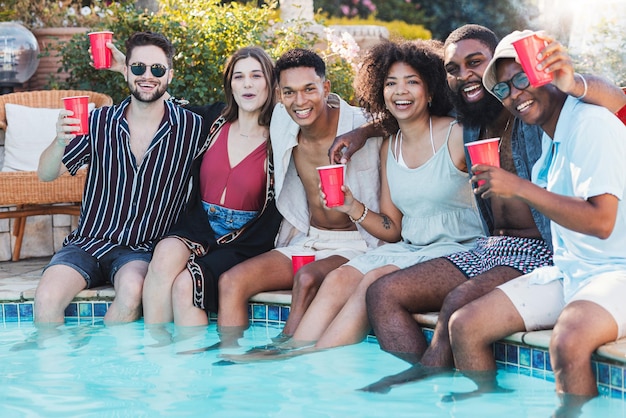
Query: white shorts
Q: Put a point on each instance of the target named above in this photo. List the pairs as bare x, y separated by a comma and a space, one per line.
347, 244
540, 305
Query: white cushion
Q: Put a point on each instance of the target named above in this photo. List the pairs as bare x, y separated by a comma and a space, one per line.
29, 132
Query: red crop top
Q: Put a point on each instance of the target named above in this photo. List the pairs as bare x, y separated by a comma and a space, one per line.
244, 184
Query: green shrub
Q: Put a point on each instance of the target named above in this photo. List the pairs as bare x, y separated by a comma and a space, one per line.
205, 33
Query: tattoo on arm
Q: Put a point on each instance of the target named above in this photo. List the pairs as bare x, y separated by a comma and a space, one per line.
386, 222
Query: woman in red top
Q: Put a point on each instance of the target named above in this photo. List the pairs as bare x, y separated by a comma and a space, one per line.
231, 215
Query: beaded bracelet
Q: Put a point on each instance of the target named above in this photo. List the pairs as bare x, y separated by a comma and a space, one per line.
358, 221
582, 96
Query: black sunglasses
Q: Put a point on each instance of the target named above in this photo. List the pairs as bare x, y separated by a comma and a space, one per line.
157, 70
502, 90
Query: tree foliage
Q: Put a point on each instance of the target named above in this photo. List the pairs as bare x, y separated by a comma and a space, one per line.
205, 33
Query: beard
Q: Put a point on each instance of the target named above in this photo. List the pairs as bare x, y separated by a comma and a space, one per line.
148, 98
485, 111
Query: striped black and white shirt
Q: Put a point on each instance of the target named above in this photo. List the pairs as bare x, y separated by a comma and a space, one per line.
125, 204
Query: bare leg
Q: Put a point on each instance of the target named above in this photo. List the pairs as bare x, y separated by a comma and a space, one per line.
169, 260
186, 314
265, 272
473, 329
305, 286
393, 299
581, 328
477, 325
57, 288
332, 296
439, 353
334, 292
351, 325
128, 284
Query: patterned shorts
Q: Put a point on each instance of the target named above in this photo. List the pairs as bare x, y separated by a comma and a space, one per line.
522, 254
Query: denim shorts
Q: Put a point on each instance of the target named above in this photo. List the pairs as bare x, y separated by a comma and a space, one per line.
224, 221
97, 272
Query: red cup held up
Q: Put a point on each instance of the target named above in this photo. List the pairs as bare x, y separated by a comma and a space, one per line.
99, 51
80, 106
527, 49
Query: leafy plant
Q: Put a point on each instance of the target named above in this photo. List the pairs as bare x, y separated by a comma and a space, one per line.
205, 33
60, 13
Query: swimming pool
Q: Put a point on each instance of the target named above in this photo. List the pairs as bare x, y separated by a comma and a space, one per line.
131, 371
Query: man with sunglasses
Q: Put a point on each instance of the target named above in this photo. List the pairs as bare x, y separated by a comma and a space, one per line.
578, 183
519, 238
140, 154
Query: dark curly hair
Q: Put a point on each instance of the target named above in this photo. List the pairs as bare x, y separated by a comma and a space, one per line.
425, 57
299, 57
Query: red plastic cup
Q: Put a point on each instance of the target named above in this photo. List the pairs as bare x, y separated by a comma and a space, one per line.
332, 177
527, 49
80, 106
484, 152
302, 258
99, 51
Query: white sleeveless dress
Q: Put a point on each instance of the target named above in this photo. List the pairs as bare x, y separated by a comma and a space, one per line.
440, 215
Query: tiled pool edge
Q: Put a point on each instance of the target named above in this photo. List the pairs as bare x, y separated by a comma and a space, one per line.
516, 357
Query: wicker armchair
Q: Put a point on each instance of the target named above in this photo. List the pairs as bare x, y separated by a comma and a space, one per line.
22, 191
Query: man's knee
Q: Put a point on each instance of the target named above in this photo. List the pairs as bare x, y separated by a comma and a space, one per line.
307, 281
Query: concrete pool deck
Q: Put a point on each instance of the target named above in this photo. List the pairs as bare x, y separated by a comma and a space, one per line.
525, 352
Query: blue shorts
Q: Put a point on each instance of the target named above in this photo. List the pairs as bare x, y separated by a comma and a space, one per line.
224, 221
97, 272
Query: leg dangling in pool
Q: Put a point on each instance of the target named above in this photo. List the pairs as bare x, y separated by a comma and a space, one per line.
288, 349
229, 338
485, 380
414, 373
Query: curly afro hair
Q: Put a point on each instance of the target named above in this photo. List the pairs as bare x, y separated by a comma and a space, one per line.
425, 57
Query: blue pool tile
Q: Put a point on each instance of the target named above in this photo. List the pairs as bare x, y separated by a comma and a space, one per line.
541, 374
511, 354
85, 310
10, 312
511, 368
2, 312
284, 313
603, 374
524, 356
273, 313
616, 393
499, 351
538, 359
72, 310
616, 376
604, 390
428, 334
259, 312
100, 309
548, 362
26, 311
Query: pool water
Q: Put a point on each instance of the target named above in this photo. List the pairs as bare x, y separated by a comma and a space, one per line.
124, 371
